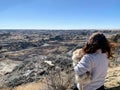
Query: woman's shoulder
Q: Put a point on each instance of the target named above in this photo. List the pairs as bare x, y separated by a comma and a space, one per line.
94, 56
88, 55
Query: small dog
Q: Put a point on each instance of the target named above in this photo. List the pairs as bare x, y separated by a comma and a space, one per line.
80, 79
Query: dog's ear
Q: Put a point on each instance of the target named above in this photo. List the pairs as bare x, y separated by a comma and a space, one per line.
81, 51
77, 54
77, 51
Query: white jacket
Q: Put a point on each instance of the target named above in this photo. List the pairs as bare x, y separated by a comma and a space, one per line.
97, 65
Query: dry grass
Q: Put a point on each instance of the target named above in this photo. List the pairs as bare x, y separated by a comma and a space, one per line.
112, 79
30, 86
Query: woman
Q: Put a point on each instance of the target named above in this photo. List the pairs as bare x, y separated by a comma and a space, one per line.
97, 51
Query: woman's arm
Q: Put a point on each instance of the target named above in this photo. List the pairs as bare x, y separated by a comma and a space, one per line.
83, 66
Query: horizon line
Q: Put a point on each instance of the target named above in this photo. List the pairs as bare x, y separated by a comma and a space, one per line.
54, 29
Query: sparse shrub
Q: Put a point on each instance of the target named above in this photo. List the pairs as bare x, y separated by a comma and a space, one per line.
58, 80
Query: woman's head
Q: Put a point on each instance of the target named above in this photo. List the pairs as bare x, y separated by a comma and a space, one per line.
97, 41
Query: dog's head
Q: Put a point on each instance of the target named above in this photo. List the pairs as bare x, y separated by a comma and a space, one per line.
78, 54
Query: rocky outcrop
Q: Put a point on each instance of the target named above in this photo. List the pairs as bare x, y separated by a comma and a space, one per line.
7, 67
34, 69
116, 38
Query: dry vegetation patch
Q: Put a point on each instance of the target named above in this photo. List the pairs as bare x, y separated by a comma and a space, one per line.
113, 78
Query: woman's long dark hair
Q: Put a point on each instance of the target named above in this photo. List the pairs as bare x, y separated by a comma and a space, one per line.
98, 41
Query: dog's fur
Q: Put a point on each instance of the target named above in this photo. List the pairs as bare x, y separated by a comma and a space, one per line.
80, 79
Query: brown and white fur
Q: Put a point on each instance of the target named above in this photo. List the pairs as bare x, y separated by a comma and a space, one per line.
85, 78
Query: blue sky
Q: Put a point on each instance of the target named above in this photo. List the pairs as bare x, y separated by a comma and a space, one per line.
59, 14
